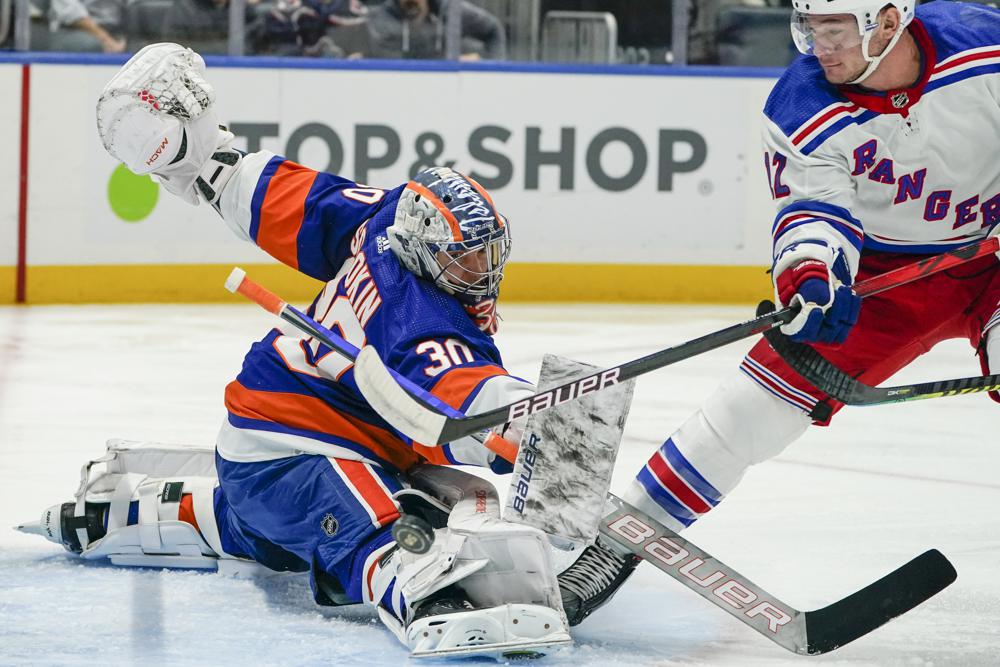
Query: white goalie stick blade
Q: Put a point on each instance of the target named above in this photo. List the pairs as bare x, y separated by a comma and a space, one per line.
802, 632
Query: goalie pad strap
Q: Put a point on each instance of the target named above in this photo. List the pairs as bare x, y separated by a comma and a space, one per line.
149, 520
204, 514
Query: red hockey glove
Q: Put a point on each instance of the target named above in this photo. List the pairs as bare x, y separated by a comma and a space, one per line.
829, 307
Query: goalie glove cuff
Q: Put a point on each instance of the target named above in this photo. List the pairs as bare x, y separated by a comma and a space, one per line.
219, 169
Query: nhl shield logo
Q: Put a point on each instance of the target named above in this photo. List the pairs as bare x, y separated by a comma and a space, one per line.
330, 525
900, 100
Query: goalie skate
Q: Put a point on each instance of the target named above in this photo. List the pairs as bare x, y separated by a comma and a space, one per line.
593, 579
448, 626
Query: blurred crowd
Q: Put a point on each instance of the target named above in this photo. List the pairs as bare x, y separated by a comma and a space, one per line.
726, 32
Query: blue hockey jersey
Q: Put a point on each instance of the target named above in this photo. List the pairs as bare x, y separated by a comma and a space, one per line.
295, 395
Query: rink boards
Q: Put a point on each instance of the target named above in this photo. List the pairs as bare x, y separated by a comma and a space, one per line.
621, 184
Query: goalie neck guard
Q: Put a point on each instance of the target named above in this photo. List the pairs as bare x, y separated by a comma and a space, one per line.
448, 231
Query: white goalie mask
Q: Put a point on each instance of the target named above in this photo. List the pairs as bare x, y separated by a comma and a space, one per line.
447, 231
837, 25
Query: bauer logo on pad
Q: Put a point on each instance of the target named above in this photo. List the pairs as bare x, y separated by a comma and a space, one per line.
172, 492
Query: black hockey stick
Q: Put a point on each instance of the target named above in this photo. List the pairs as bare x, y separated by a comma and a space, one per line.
834, 382
425, 418
804, 632
416, 415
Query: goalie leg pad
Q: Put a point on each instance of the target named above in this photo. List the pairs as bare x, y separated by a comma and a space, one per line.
739, 425
144, 504
146, 525
497, 577
499, 562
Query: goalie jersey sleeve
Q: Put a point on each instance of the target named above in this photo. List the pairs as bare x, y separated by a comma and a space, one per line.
301, 217
295, 395
911, 170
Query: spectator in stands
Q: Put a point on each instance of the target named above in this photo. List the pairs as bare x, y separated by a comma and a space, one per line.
87, 25
418, 29
204, 24
300, 27
703, 34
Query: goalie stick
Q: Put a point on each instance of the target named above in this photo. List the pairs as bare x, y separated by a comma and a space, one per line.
803, 632
421, 416
837, 384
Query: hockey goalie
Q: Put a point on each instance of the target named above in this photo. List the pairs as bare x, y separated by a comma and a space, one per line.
305, 475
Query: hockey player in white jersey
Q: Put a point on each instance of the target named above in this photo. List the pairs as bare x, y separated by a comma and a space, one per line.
880, 145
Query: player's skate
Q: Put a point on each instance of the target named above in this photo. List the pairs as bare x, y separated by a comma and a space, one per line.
485, 587
593, 579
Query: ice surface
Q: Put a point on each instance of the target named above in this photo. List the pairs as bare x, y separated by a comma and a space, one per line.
839, 509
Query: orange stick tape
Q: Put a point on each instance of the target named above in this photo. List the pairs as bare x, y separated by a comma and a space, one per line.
502, 447
240, 284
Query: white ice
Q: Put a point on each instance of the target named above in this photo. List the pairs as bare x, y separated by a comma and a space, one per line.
837, 510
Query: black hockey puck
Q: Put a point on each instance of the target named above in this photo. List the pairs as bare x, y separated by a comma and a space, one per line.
413, 534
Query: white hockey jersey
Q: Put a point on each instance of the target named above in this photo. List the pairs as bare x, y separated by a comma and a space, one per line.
915, 170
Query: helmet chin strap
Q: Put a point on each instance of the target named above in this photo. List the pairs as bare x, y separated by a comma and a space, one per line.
873, 61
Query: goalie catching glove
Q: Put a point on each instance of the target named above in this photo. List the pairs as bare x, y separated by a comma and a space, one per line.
156, 116
818, 280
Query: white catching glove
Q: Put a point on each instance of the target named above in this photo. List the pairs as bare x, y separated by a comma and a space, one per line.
156, 116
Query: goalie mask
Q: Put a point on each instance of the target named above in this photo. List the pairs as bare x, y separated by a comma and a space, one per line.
837, 25
447, 231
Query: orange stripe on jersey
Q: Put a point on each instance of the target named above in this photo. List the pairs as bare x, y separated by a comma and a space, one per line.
282, 211
454, 388
456, 231
371, 491
312, 414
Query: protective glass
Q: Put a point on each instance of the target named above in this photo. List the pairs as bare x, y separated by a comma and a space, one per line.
816, 34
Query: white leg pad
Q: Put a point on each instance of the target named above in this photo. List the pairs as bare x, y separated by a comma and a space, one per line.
142, 471
160, 538
504, 569
512, 562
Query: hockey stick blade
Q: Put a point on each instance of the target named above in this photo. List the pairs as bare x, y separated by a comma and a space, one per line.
407, 412
837, 384
802, 632
878, 603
